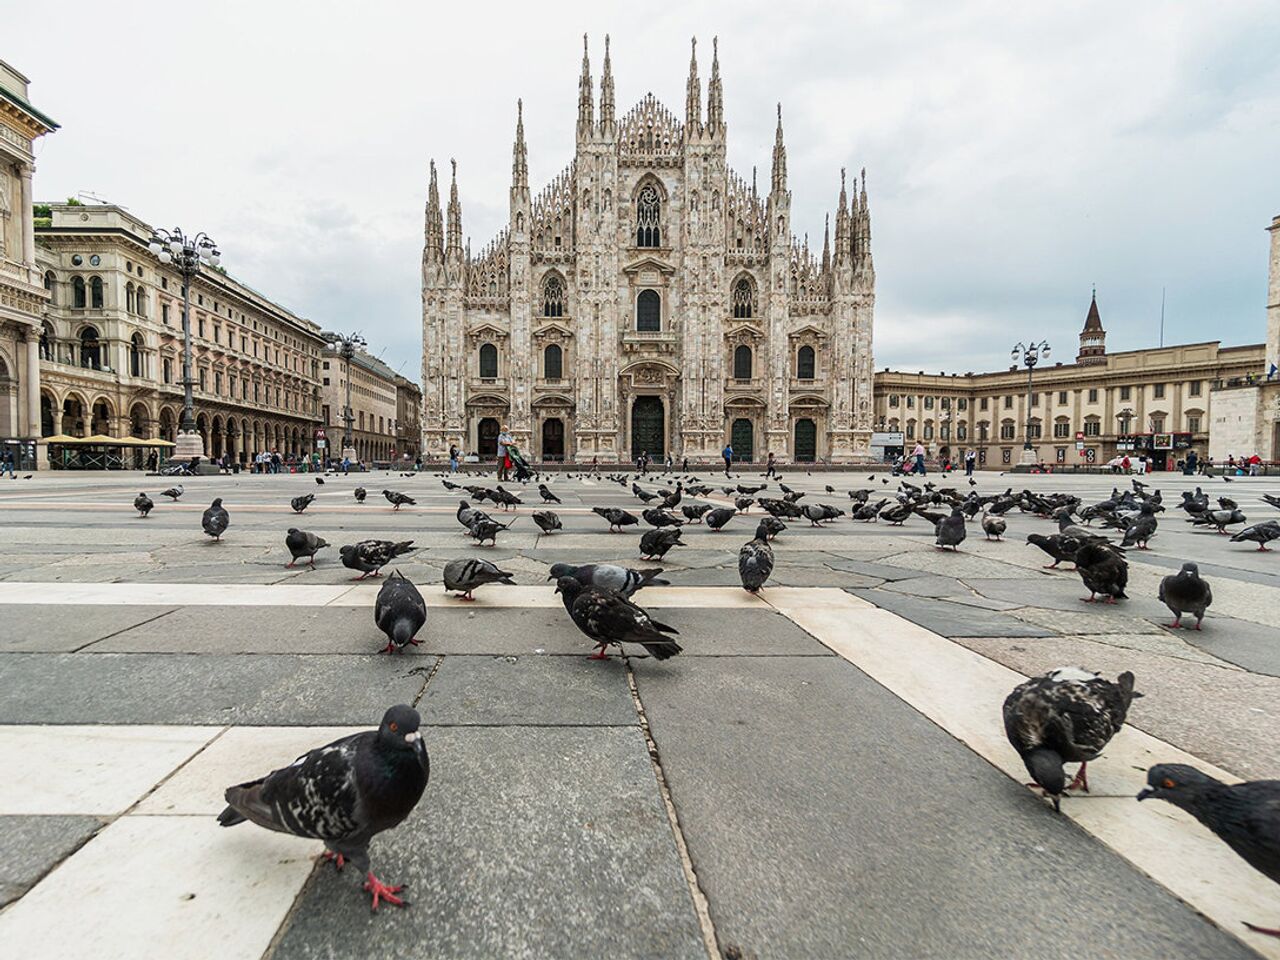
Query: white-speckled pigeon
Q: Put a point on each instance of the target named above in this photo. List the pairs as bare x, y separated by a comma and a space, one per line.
755, 560
609, 618
143, 504
370, 556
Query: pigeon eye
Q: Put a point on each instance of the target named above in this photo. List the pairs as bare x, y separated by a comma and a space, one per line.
394, 726
1169, 784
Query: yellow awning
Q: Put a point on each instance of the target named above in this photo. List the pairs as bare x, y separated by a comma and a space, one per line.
102, 440
60, 438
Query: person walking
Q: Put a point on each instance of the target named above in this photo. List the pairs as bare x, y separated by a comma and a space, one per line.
970, 460
918, 455
727, 453
671, 463
685, 467
153, 461
6, 462
504, 460
771, 467
453, 458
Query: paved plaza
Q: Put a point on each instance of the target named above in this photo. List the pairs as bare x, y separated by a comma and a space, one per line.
822, 773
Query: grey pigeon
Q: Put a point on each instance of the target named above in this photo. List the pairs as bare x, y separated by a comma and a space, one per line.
360, 493
370, 556
608, 576
693, 511
772, 526
1245, 816
1184, 592
344, 793
303, 544
1067, 715
993, 526
717, 518
950, 531
469, 574
1103, 569
617, 517
143, 504
1142, 529
657, 517
215, 520
1259, 533
547, 520
173, 493
301, 503
398, 499
609, 618
320, 481
484, 527
755, 560
399, 612
655, 543
546, 494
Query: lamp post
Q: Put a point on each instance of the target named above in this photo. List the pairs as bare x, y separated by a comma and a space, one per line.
186, 254
345, 345
1029, 355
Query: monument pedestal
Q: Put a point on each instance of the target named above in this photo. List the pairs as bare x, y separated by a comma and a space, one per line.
1028, 457
187, 446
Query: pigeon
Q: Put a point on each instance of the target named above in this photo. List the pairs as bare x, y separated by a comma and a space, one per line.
547, 495
655, 543
950, 531
484, 528
467, 514
468, 575
215, 520
609, 618
360, 494
1184, 592
303, 544
397, 499
717, 518
344, 793
772, 526
319, 481
1103, 569
399, 612
657, 517
370, 556
1245, 816
608, 576
993, 526
1068, 715
744, 503
617, 517
1259, 533
547, 520
301, 503
1060, 546
173, 493
755, 560
142, 503
1221, 519
1142, 529
693, 511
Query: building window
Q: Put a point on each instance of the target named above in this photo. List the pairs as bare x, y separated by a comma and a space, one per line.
217, 382
1093, 395
1006, 430
164, 312
488, 361
982, 403
167, 366
326, 381
928, 403
805, 365
1125, 393
1093, 427
1062, 397
200, 324
648, 311
1193, 388
962, 431
553, 362
1008, 403
90, 349
928, 429
95, 293
911, 429
984, 430
744, 298
201, 378
77, 292
1157, 391
135, 355
553, 297
1061, 428
1033, 429
128, 298
911, 401
142, 302
1157, 424
1193, 424
742, 362
648, 210
893, 400
962, 404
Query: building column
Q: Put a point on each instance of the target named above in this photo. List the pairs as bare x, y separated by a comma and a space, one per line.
33, 383
28, 234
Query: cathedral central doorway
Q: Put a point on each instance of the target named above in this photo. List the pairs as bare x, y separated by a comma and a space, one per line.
806, 441
648, 427
487, 438
742, 440
553, 439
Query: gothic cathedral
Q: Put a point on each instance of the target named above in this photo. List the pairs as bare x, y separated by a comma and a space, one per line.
648, 299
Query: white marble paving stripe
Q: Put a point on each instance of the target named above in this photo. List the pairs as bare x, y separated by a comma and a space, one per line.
962, 691
338, 594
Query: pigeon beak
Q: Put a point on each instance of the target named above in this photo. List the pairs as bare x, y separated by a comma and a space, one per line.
1146, 792
413, 737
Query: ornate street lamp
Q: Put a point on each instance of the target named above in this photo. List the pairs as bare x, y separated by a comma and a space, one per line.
186, 254
1029, 356
346, 345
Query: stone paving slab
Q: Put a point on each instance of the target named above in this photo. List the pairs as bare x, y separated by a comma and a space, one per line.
949, 619
61, 628
1248, 645
33, 845
282, 690
529, 842
828, 808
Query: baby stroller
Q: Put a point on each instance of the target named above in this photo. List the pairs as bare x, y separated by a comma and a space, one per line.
523, 473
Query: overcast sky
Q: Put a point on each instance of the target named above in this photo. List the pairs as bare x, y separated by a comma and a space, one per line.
1016, 154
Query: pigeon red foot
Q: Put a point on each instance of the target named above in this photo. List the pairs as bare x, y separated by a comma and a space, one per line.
382, 891
337, 859
599, 654
392, 648
1081, 781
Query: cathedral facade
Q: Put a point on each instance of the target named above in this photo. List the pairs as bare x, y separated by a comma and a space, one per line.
649, 299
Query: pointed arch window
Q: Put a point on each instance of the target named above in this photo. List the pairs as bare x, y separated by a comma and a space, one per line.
805, 364
553, 362
648, 215
553, 297
744, 298
488, 361
742, 362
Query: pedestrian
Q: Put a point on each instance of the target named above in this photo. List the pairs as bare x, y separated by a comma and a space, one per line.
727, 453
504, 460
1126, 464
685, 467
6, 462
453, 458
417, 463
771, 467
671, 463
1255, 465
275, 461
918, 456
970, 460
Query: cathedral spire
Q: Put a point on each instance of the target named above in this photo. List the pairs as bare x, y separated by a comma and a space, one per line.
586, 110
453, 241
715, 93
826, 244
754, 193
779, 158
862, 224
606, 90
693, 99
434, 229
519, 153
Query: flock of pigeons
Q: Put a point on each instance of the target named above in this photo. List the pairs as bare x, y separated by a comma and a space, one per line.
346, 792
